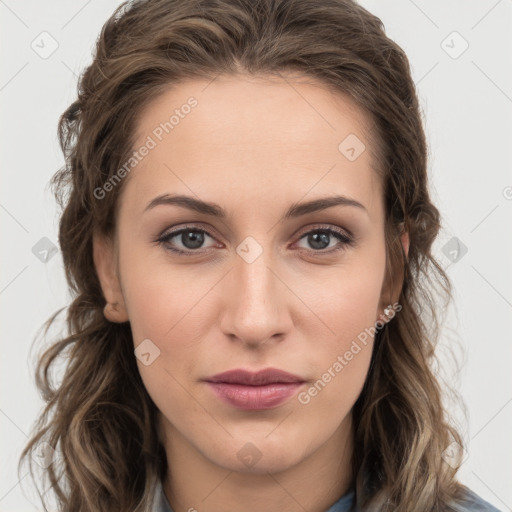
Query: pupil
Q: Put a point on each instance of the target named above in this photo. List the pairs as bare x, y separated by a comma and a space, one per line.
192, 239
319, 240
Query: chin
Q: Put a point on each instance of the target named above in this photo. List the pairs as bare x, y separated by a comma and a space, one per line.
258, 456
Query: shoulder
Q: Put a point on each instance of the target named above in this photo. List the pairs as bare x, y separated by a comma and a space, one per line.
474, 503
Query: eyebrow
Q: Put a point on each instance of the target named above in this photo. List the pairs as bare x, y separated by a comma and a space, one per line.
214, 210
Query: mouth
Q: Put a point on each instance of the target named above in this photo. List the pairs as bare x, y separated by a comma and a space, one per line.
265, 389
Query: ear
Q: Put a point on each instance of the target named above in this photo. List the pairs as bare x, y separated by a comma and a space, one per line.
106, 267
392, 284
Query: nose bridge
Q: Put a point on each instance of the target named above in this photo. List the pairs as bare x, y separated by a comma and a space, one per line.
255, 283
255, 311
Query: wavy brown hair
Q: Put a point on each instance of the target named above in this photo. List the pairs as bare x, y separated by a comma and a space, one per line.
99, 417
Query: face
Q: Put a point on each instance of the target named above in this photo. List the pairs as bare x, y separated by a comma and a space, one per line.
254, 288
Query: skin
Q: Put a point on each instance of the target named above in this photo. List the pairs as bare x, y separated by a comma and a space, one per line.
254, 146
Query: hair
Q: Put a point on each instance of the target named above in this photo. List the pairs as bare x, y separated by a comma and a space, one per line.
99, 418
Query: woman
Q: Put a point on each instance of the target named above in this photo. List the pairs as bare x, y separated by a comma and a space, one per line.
247, 229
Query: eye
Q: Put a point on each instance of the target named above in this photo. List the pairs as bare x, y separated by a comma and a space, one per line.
193, 238
320, 239
190, 238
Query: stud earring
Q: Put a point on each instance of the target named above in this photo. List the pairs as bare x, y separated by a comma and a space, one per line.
385, 317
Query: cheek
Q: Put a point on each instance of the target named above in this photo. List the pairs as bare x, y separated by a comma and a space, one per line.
169, 306
161, 308
345, 298
340, 358
158, 294
345, 302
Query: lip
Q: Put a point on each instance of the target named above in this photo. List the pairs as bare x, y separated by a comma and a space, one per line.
264, 389
259, 378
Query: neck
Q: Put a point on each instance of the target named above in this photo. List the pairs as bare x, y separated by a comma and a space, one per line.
313, 484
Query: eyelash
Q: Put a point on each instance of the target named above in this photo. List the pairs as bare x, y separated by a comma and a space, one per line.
346, 241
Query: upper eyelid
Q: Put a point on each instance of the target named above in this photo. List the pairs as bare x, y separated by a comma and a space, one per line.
176, 231
320, 226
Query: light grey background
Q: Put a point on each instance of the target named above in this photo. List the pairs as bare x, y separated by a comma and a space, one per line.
467, 101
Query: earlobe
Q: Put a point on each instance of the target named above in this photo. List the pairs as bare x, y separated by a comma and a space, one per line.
105, 264
404, 238
386, 310
115, 313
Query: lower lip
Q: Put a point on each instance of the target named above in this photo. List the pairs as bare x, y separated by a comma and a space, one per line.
254, 397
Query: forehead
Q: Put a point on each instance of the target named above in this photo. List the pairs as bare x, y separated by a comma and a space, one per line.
247, 137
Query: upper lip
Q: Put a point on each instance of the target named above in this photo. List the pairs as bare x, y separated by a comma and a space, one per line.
260, 378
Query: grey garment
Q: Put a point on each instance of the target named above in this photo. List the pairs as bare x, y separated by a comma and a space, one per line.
474, 503
477, 504
162, 505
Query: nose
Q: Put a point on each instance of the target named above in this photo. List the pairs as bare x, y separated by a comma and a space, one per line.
256, 307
